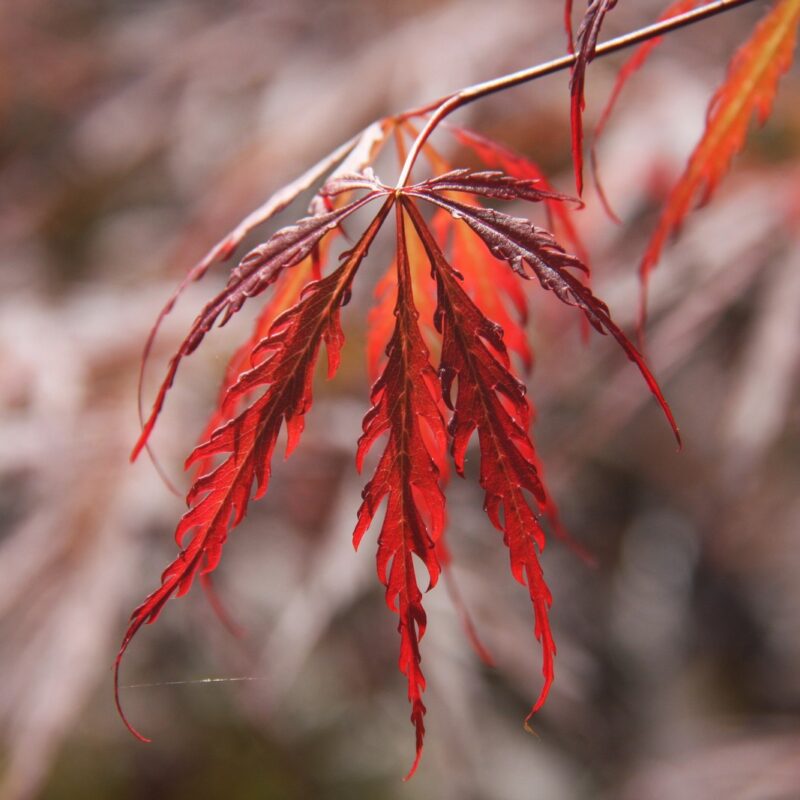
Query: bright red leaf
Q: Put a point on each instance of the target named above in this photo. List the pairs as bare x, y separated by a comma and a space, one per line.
403, 401
492, 401
218, 500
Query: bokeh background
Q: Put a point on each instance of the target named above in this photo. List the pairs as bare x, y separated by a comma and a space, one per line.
133, 135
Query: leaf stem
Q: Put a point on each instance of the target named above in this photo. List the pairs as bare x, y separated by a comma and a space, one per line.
445, 106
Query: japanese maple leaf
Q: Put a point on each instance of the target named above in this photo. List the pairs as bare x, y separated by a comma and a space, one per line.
403, 401
748, 92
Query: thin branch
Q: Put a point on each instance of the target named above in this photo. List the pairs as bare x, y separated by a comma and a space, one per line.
445, 106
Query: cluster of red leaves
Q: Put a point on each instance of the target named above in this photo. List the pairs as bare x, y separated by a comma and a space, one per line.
453, 290
409, 396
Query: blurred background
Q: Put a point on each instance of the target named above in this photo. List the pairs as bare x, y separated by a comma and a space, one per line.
132, 137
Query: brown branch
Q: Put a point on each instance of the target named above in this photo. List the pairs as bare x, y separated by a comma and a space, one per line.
445, 106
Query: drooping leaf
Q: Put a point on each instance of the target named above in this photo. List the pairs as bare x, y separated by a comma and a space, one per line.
588, 31
490, 283
218, 500
481, 272
287, 293
402, 402
381, 319
747, 92
493, 283
485, 279
227, 246
352, 156
260, 268
521, 244
491, 401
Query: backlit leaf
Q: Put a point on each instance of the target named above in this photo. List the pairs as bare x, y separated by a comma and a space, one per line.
491, 401
748, 91
402, 402
260, 268
286, 359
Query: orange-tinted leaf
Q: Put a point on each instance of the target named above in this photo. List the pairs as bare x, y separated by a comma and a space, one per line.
380, 322
559, 220
490, 283
748, 91
485, 279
